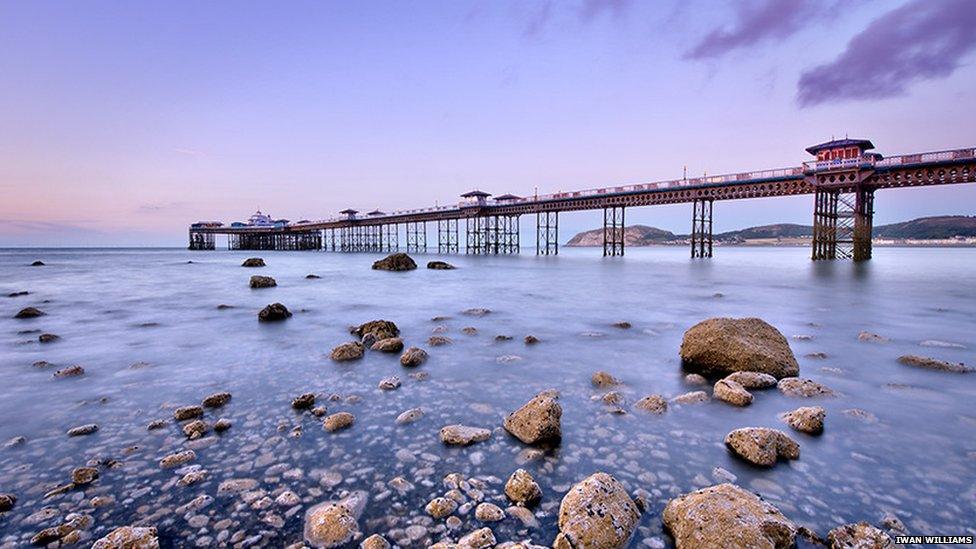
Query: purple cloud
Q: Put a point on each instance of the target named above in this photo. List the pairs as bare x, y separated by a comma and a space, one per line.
757, 21
922, 40
591, 9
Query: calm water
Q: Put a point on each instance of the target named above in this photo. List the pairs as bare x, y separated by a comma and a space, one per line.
114, 308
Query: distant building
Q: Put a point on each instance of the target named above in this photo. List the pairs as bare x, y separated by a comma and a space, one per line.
475, 198
260, 220
842, 149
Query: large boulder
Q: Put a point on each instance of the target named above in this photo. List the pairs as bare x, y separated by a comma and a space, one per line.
273, 312
335, 523
803, 388
351, 350
538, 420
29, 312
859, 535
596, 512
129, 537
253, 262
721, 346
762, 446
726, 516
396, 262
258, 281
379, 329
413, 357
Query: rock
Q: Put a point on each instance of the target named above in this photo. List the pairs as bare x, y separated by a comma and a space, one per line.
725, 345
389, 383
479, 539
15, 442
7, 502
462, 435
192, 478
488, 512
129, 537
82, 430
693, 397
195, 429
725, 515
440, 265
303, 401
623, 325
731, 392
531, 340
522, 489
253, 262
478, 311
70, 371
338, 421
187, 412
388, 345
81, 476
379, 329
409, 416
604, 379
538, 420
806, 388
597, 512
871, 338
37, 263
806, 419
499, 338
18, 294
216, 400
414, 356
258, 281
656, 404
235, 486
29, 312
335, 523
695, 379
48, 338
274, 312
933, 364
752, 380
351, 350
375, 541
762, 446
440, 507
312, 276
396, 262
222, 425
156, 424
860, 535
469, 330
437, 341
177, 459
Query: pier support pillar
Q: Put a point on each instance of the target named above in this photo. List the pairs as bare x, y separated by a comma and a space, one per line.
417, 236
391, 237
613, 231
842, 223
863, 223
547, 233
447, 236
476, 235
701, 228
202, 241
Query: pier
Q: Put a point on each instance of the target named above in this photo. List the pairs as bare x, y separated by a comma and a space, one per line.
842, 178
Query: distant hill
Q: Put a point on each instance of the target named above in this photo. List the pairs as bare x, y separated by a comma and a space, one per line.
924, 228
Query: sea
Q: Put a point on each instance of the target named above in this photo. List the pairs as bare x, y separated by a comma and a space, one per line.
155, 329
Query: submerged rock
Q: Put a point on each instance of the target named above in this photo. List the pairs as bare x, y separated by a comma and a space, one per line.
463, 435
693, 397
7, 502
729, 391
727, 345
522, 489
351, 350
389, 383
82, 430
129, 537
258, 281
933, 364
338, 421
604, 379
48, 338
440, 507
375, 541
805, 388
530, 340
379, 329
871, 337
187, 412
410, 416
29, 312
860, 535
806, 419
538, 420
412, 357
762, 446
312, 276
216, 400
437, 341
656, 404
37, 263
696, 379
396, 262
727, 516
479, 539
440, 265
81, 476
273, 312
596, 512
253, 262
388, 345
752, 380
488, 512
335, 523
70, 371
303, 401
177, 459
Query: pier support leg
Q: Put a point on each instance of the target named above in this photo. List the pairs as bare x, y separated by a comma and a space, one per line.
202, 241
447, 236
547, 233
508, 235
701, 228
863, 223
477, 234
825, 224
417, 236
613, 231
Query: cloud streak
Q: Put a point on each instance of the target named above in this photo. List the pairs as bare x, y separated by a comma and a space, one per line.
922, 40
755, 22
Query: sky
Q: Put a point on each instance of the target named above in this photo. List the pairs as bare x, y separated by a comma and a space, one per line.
123, 122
